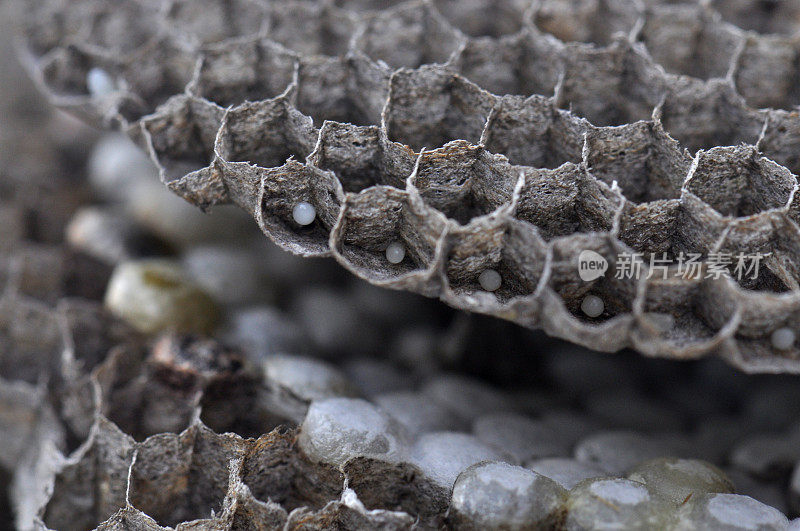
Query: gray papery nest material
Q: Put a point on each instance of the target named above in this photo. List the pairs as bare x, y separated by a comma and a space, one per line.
480, 135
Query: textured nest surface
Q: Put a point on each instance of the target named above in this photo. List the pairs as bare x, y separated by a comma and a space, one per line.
507, 135
179, 432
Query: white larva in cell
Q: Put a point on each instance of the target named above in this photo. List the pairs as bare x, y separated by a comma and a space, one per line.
99, 82
304, 213
592, 306
783, 338
395, 253
490, 280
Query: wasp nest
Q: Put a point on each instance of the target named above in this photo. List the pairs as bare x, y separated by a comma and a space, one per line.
109, 424
472, 150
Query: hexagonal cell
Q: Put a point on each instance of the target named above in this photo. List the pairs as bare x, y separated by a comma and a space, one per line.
595, 21
511, 247
687, 39
139, 407
181, 136
65, 71
610, 86
479, 18
672, 227
737, 182
91, 485
181, 377
464, 181
684, 316
311, 28
266, 133
641, 158
207, 21
759, 249
526, 63
668, 229
432, 106
362, 157
532, 132
758, 356
282, 189
144, 80
763, 16
275, 470
767, 73
183, 477
227, 383
703, 115
252, 69
566, 200
762, 313
378, 217
409, 35
397, 487
136, 84
351, 89
616, 294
